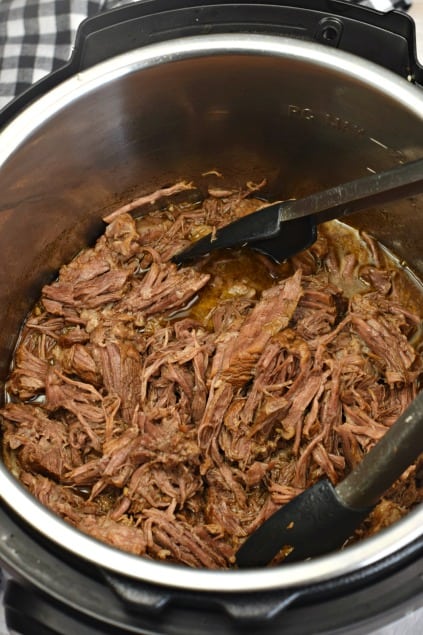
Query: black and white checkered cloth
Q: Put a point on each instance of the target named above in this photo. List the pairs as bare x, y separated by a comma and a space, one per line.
36, 36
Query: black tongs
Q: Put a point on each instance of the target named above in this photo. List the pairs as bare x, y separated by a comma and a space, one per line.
322, 518
284, 229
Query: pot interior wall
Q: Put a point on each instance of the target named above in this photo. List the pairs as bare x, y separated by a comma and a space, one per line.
295, 122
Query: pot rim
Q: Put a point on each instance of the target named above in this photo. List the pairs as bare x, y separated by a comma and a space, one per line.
322, 569
44, 107
295, 575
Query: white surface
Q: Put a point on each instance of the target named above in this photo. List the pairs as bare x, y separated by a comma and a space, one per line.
416, 12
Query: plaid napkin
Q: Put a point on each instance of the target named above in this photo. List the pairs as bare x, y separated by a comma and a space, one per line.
36, 36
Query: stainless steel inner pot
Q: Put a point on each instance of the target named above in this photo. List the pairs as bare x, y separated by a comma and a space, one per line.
302, 115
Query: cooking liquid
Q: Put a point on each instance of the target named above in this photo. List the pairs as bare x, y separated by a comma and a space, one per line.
245, 273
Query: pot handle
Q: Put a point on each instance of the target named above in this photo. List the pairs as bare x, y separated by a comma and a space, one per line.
388, 39
241, 608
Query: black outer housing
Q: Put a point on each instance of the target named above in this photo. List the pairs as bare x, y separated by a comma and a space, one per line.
51, 592
387, 39
48, 591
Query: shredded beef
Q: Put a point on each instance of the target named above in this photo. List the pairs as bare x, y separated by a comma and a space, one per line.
169, 411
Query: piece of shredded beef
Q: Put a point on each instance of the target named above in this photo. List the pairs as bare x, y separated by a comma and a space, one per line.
169, 411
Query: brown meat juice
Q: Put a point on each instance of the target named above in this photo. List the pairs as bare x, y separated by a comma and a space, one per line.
170, 411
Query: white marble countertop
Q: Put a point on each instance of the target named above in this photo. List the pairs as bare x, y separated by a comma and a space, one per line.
416, 12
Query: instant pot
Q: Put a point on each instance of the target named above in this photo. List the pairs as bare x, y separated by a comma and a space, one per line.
306, 94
